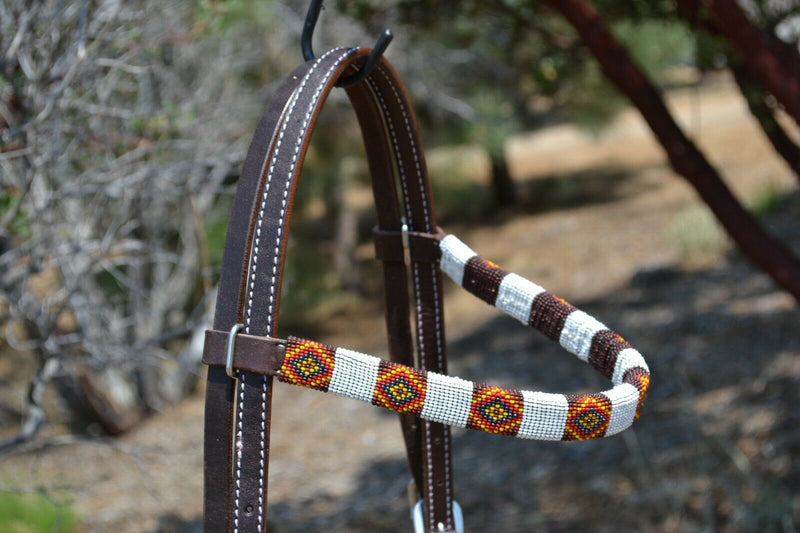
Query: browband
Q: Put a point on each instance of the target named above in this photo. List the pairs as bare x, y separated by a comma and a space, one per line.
455, 401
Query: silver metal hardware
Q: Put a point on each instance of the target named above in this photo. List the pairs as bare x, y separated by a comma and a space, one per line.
406, 244
419, 519
231, 344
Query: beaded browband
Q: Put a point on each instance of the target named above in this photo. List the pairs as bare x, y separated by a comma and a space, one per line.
452, 400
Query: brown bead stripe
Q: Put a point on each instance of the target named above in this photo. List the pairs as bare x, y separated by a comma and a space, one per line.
605, 348
548, 314
454, 401
576, 331
482, 278
639, 378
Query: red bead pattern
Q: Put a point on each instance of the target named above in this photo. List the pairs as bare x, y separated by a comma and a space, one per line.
400, 388
495, 410
307, 363
588, 416
454, 401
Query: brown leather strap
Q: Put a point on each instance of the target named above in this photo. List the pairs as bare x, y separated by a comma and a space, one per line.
380, 157
254, 266
261, 300
434, 440
217, 441
427, 444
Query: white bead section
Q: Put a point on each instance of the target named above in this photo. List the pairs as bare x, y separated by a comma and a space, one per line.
516, 295
354, 374
624, 399
544, 415
447, 400
455, 255
579, 329
627, 359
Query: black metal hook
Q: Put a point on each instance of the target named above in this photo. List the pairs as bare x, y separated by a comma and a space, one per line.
308, 52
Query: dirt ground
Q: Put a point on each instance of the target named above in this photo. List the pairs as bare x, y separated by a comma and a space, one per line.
718, 444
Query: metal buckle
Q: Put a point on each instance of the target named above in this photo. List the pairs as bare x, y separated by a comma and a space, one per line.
231, 344
419, 520
406, 244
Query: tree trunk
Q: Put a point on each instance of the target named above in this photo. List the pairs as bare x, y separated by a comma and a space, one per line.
504, 193
684, 156
762, 112
776, 68
749, 87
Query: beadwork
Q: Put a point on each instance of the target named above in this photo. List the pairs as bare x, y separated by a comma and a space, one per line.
454, 401
309, 364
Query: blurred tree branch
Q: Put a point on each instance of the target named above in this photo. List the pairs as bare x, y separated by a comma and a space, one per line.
775, 64
683, 155
118, 128
751, 88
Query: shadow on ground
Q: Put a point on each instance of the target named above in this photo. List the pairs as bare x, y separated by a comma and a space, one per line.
714, 450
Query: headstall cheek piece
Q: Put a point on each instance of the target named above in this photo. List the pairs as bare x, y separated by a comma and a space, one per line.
243, 354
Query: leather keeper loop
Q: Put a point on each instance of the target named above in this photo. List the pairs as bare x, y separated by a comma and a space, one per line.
423, 247
261, 355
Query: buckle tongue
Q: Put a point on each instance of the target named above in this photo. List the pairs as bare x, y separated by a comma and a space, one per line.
231, 344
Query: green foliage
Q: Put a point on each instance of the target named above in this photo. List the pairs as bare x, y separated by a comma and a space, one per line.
110, 281
310, 280
657, 45
695, 231
216, 227
456, 180
710, 51
510, 51
217, 16
774, 510
767, 200
496, 120
34, 513
19, 226
592, 101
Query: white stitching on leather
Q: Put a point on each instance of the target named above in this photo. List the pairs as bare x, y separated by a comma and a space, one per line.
445, 439
295, 157
437, 313
238, 445
407, 204
256, 249
249, 309
262, 465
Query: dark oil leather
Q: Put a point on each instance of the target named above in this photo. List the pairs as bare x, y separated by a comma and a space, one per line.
217, 439
237, 436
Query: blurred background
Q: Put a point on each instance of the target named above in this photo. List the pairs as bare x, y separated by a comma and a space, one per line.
638, 158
